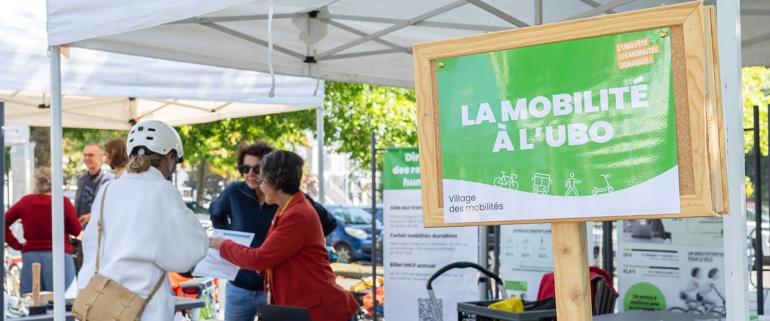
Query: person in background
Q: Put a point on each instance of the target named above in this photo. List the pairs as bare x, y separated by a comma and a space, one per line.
88, 185
292, 257
242, 207
34, 211
708, 291
147, 228
116, 156
690, 292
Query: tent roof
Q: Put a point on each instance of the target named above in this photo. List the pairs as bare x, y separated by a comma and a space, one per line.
33, 108
96, 85
359, 41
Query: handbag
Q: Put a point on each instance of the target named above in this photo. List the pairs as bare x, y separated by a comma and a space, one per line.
104, 299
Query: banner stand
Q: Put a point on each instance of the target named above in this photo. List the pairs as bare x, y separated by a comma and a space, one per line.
571, 270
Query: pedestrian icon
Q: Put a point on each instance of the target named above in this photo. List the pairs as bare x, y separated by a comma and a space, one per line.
570, 185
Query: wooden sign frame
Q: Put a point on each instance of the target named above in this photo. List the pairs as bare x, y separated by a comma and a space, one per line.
699, 123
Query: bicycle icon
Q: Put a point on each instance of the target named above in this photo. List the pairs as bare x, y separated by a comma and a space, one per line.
606, 189
507, 181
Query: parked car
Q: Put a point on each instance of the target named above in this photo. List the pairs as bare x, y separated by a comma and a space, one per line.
751, 231
352, 239
201, 212
379, 214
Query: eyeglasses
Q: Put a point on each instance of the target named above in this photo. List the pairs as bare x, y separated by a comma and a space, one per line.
245, 169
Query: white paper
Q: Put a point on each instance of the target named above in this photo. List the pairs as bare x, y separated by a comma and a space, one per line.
413, 253
213, 265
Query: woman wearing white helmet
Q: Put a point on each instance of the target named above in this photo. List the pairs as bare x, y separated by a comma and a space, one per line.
146, 228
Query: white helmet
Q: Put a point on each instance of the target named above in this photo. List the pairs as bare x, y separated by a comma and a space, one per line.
156, 136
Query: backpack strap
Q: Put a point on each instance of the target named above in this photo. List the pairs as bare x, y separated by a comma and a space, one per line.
100, 227
154, 290
99, 246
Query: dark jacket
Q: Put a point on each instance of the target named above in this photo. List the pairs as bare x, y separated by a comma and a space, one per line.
88, 185
238, 209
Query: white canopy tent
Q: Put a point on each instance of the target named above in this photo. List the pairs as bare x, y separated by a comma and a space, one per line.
370, 42
355, 41
97, 85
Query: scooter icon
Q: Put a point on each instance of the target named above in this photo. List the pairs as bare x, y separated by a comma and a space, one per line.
607, 189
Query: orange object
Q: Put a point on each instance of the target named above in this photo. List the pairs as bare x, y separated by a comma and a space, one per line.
176, 280
369, 303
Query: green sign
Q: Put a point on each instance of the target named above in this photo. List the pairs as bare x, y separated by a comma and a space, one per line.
644, 296
402, 168
584, 127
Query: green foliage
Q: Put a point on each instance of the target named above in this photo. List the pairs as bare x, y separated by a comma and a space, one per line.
756, 92
218, 142
749, 187
75, 139
355, 110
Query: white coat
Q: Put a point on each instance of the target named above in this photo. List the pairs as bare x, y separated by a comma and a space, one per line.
148, 231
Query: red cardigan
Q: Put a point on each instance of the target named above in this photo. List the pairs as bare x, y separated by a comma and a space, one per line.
295, 250
35, 214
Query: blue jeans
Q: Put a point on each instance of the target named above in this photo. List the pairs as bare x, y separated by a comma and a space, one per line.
241, 304
45, 259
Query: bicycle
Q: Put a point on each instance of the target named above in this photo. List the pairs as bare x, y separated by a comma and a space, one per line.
201, 288
507, 181
12, 273
702, 307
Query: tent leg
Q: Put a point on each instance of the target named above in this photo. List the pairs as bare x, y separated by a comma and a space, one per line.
2, 196
57, 207
319, 122
736, 273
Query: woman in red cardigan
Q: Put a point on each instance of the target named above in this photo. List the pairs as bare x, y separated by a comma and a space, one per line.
34, 211
293, 257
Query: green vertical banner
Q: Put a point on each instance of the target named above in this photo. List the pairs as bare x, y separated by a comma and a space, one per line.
574, 129
412, 253
402, 168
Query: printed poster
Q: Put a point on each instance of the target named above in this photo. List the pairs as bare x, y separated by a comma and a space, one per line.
672, 265
413, 253
574, 129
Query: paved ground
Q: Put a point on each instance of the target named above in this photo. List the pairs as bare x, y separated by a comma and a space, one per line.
355, 270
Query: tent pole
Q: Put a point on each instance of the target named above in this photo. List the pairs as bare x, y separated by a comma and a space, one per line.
57, 206
374, 225
736, 273
758, 255
319, 123
2, 197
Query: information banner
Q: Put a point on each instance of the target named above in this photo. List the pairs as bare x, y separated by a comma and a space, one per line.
672, 265
413, 253
580, 128
526, 255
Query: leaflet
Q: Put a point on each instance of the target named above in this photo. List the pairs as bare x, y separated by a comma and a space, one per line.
213, 265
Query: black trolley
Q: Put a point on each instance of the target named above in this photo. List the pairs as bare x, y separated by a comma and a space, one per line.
478, 310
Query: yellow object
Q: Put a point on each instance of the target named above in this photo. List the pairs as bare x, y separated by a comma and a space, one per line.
512, 304
366, 283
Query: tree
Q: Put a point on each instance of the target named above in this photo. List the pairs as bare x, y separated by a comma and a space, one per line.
75, 139
42, 138
756, 92
213, 146
354, 111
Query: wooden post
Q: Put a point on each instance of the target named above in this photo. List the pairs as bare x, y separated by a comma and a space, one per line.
35, 284
570, 261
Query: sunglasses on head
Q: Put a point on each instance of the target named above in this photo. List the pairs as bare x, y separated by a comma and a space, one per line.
245, 169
